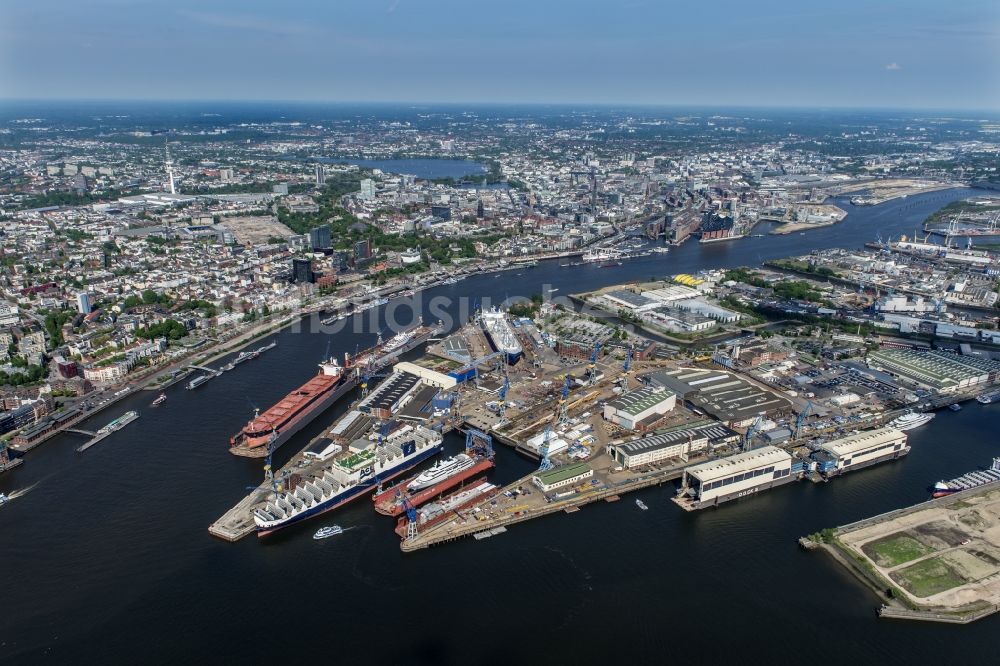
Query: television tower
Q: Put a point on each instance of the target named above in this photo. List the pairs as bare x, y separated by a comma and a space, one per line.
170, 167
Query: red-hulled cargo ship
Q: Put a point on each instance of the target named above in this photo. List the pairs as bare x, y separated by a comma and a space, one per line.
292, 412
446, 508
390, 502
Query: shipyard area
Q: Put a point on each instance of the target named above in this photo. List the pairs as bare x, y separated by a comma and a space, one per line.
602, 411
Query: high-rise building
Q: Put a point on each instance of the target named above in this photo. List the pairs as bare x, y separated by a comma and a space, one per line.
320, 175
302, 271
83, 302
367, 189
480, 210
442, 212
363, 249
319, 238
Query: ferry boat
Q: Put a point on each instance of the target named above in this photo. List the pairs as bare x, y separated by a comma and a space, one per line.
601, 255
910, 420
198, 381
989, 397
291, 413
329, 531
440, 471
160, 399
500, 335
360, 469
968, 481
114, 426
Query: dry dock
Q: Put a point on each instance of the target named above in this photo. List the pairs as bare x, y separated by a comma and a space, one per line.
514, 505
938, 561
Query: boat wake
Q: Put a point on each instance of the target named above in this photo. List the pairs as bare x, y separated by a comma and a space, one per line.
21, 492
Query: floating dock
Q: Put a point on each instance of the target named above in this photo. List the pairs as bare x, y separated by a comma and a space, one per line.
390, 503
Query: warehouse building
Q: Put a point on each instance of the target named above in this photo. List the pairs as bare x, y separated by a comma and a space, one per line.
862, 449
631, 409
560, 477
677, 443
717, 481
390, 395
431, 377
938, 370
627, 300
723, 395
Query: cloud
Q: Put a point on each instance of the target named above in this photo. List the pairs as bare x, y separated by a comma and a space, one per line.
392, 7
247, 22
893, 66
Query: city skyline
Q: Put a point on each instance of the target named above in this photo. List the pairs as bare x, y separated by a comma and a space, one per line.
775, 54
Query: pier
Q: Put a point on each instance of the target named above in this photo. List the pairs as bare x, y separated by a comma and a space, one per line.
81, 431
238, 521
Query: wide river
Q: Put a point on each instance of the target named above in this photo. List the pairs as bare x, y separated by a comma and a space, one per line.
107, 558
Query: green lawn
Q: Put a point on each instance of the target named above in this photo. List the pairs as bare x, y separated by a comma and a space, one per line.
895, 549
929, 577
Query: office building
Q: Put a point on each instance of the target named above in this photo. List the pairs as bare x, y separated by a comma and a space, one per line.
83, 302
320, 175
302, 271
319, 238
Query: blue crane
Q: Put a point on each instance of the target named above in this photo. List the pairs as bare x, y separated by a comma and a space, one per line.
502, 404
801, 418
543, 451
411, 518
592, 371
563, 414
751, 431
627, 367
478, 443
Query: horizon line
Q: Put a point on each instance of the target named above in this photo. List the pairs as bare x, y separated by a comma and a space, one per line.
488, 103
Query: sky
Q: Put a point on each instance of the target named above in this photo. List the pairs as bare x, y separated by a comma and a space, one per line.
797, 53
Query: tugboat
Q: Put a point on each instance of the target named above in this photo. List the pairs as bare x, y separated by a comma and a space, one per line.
160, 399
329, 531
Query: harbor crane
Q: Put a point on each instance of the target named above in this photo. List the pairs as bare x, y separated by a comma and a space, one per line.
801, 418
545, 464
502, 403
411, 518
592, 369
563, 414
751, 431
627, 367
478, 443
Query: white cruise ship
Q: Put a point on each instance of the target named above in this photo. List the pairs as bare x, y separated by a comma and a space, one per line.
500, 335
440, 471
910, 420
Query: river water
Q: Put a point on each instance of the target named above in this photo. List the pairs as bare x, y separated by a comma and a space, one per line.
107, 557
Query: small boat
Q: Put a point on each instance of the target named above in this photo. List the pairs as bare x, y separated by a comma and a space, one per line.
955, 407
160, 399
329, 531
642, 505
3, 499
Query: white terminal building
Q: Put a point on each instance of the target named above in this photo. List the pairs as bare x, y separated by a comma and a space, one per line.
717, 481
674, 444
865, 448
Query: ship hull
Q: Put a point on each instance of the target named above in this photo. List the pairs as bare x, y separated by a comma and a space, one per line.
298, 422
402, 525
354, 492
386, 504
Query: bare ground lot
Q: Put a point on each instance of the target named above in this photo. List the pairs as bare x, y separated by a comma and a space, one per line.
944, 557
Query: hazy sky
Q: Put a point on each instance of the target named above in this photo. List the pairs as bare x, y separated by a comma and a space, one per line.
905, 53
